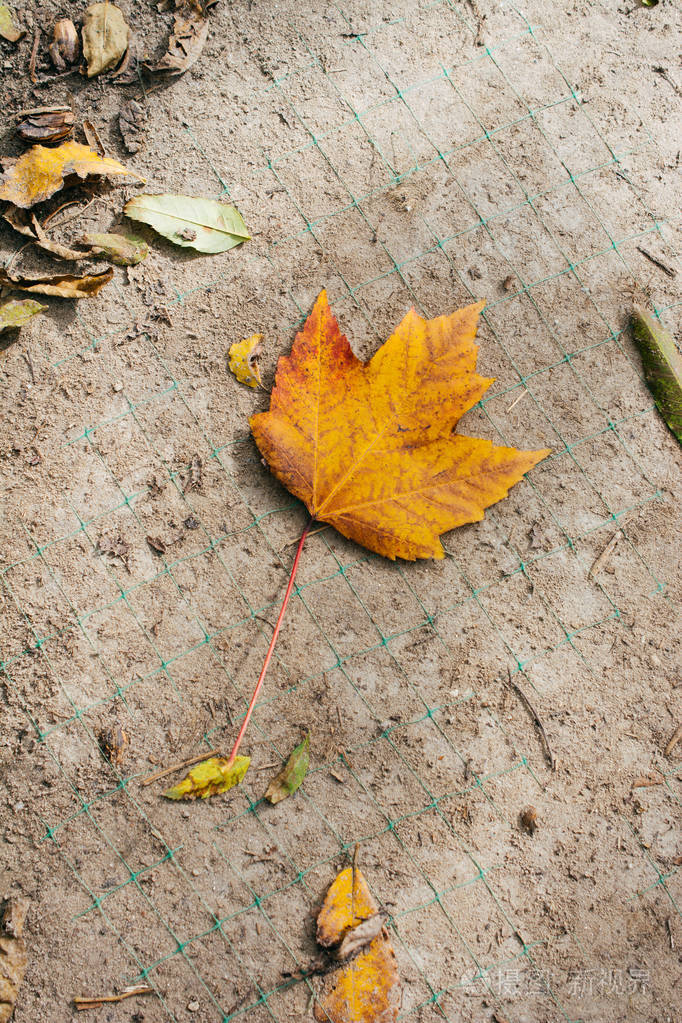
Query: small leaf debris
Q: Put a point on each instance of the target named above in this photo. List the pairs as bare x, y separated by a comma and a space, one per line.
529, 819
113, 742
292, 774
13, 959
131, 121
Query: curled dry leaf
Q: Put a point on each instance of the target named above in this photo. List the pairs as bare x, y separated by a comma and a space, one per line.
59, 285
244, 356
41, 172
121, 249
13, 959
292, 774
9, 29
17, 312
370, 447
209, 778
186, 40
105, 37
28, 224
367, 988
65, 46
45, 124
202, 224
92, 137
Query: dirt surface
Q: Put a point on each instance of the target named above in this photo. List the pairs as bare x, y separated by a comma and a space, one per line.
398, 154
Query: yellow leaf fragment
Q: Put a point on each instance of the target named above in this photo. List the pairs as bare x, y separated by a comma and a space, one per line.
367, 989
8, 27
209, 778
348, 902
244, 356
40, 172
371, 448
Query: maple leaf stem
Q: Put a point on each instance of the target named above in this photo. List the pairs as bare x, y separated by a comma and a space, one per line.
268, 656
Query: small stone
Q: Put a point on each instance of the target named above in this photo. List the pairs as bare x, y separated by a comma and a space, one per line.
118, 386
193, 1006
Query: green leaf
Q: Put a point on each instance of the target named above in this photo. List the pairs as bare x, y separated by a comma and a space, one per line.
105, 37
202, 224
209, 778
649, 3
121, 249
292, 774
17, 312
8, 28
662, 364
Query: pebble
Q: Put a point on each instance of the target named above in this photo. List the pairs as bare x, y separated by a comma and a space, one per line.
193, 1006
118, 386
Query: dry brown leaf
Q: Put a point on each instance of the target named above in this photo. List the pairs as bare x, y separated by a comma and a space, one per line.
13, 957
59, 285
105, 37
131, 120
367, 988
27, 224
65, 47
186, 40
45, 124
41, 172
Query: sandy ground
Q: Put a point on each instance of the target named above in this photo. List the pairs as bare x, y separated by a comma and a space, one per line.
399, 154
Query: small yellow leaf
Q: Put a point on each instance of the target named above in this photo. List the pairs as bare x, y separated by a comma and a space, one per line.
367, 989
14, 314
40, 172
244, 357
348, 902
209, 778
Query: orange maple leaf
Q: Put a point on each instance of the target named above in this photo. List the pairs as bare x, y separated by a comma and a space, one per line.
371, 448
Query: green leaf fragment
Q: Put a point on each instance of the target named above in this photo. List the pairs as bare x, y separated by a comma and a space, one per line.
8, 28
121, 249
292, 774
662, 364
202, 224
17, 312
209, 778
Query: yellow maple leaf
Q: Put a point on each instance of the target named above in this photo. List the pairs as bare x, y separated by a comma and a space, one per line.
209, 778
244, 357
40, 172
366, 989
370, 447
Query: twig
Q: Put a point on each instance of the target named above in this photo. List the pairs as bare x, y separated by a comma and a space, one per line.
536, 718
83, 1002
523, 394
177, 767
669, 926
657, 262
34, 55
67, 220
673, 740
646, 781
603, 557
